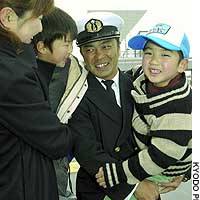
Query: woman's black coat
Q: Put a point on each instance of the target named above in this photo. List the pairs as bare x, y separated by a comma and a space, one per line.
31, 135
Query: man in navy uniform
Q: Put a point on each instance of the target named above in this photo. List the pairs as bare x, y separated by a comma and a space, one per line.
102, 121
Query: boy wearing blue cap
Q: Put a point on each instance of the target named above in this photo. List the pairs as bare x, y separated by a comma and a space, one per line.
162, 116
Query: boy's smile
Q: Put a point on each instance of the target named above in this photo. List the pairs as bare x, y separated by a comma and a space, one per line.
161, 65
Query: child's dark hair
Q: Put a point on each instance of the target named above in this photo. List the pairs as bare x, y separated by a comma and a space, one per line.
56, 25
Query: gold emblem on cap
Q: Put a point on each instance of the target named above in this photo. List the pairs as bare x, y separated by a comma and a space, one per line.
93, 26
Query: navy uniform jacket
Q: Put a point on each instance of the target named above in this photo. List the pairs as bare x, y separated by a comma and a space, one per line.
104, 134
30, 133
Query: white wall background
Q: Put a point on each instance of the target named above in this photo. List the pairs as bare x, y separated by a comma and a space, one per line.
179, 12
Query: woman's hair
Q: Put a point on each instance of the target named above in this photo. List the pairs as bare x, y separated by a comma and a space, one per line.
56, 26
39, 7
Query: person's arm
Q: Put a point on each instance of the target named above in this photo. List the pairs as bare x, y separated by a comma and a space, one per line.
163, 151
87, 150
170, 186
174, 184
145, 190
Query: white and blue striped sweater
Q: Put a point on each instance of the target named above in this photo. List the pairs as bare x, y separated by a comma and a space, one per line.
163, 131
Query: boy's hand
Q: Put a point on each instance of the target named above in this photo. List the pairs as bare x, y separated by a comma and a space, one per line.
146, 190
170, 186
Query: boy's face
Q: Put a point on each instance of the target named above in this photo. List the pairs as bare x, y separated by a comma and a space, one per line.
61, 50
101, 57
161, 65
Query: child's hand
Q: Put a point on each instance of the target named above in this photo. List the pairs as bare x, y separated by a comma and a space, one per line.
170, 186
100, 178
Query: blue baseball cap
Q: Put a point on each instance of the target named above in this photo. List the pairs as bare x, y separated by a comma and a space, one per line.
164, 35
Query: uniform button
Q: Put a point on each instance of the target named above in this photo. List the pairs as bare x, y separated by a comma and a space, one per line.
117, 149
135, 148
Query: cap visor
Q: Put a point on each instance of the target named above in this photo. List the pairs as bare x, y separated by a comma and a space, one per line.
137, 42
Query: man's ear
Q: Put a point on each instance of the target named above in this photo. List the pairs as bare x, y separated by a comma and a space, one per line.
119, 50
41, 48
8, 18
80, 50
183, 65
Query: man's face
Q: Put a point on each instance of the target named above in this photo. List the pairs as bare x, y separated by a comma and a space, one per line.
101, 57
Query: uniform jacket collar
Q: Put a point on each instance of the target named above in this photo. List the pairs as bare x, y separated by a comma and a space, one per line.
97, 94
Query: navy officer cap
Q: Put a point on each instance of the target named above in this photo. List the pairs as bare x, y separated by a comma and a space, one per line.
98, 26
